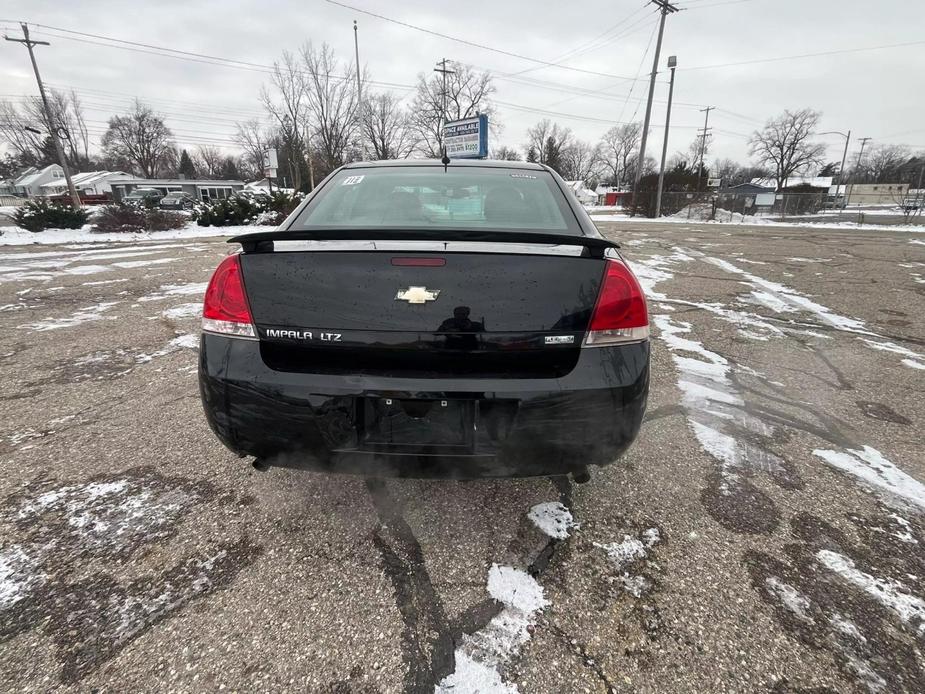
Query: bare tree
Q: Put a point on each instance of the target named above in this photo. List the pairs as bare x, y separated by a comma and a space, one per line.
26, 145
468, 93
784, 145
505, 153
208, 161
140, 137
287, 105
67, 119
619, 150
387, 131
885, 163
729, 170
581, 161
252, 138
333, 106
549, 142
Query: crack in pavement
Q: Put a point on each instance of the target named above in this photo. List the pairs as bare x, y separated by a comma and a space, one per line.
429, 639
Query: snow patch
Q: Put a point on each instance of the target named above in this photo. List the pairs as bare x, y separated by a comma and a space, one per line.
790, 598
891, 594
481, 654
553, 518
871, 467
84, 315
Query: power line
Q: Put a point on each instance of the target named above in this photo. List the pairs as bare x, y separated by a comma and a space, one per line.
510, 54
587, 45
808, 55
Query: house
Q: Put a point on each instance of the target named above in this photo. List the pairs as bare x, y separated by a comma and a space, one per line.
585, 195
87, 184
612, 196
29, 183
201, 190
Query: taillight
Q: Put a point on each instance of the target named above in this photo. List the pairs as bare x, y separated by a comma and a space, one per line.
225, 308
620, 314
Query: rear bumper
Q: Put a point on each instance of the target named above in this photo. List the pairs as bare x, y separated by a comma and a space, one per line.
522, 427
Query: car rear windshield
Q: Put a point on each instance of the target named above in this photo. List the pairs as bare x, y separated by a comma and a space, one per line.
428, 196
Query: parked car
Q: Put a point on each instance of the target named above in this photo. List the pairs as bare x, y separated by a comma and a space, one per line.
413, 321
177, 200
143, 196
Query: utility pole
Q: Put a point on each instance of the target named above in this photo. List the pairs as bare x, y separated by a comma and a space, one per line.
442, 70
52, 127
672, 64
703, 142
666, 9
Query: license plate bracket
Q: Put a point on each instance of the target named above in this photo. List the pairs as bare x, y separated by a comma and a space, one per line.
436, 425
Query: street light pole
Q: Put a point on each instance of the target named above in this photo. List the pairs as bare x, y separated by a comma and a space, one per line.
666, 9
672, 63
52, 127
356, 49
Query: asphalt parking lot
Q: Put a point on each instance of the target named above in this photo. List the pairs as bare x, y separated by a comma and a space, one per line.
765, 533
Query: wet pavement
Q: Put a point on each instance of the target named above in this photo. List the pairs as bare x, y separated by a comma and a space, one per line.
765, 533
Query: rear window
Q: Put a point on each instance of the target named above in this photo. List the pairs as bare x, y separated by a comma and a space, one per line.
427, 196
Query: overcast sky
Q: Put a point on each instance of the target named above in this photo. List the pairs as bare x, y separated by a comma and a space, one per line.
876, 93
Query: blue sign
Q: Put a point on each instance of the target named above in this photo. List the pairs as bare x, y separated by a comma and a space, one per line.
467, 138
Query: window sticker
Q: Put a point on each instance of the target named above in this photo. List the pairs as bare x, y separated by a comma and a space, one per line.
522, 176
352, 180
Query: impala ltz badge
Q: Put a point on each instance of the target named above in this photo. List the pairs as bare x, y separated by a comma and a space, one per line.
417, 295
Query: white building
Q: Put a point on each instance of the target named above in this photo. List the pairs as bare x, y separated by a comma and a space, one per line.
87, 183
29, 183
585, 195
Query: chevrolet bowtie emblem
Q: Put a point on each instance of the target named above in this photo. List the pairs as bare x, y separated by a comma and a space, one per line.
417, 295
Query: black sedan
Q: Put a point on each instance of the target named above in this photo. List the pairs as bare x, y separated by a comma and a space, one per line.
416, 319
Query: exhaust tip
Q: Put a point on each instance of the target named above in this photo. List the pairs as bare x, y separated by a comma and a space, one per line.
581, 475
260, 465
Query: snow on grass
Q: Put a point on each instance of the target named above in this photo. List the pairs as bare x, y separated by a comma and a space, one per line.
480, 655
553, 518
84, 315
891, 594
871, 467
14, 236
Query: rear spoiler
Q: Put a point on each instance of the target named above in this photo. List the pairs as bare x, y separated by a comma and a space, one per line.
263, 241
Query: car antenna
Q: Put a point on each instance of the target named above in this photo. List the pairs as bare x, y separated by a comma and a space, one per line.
445, 160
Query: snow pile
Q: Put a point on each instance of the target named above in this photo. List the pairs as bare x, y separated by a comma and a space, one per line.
553, 518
